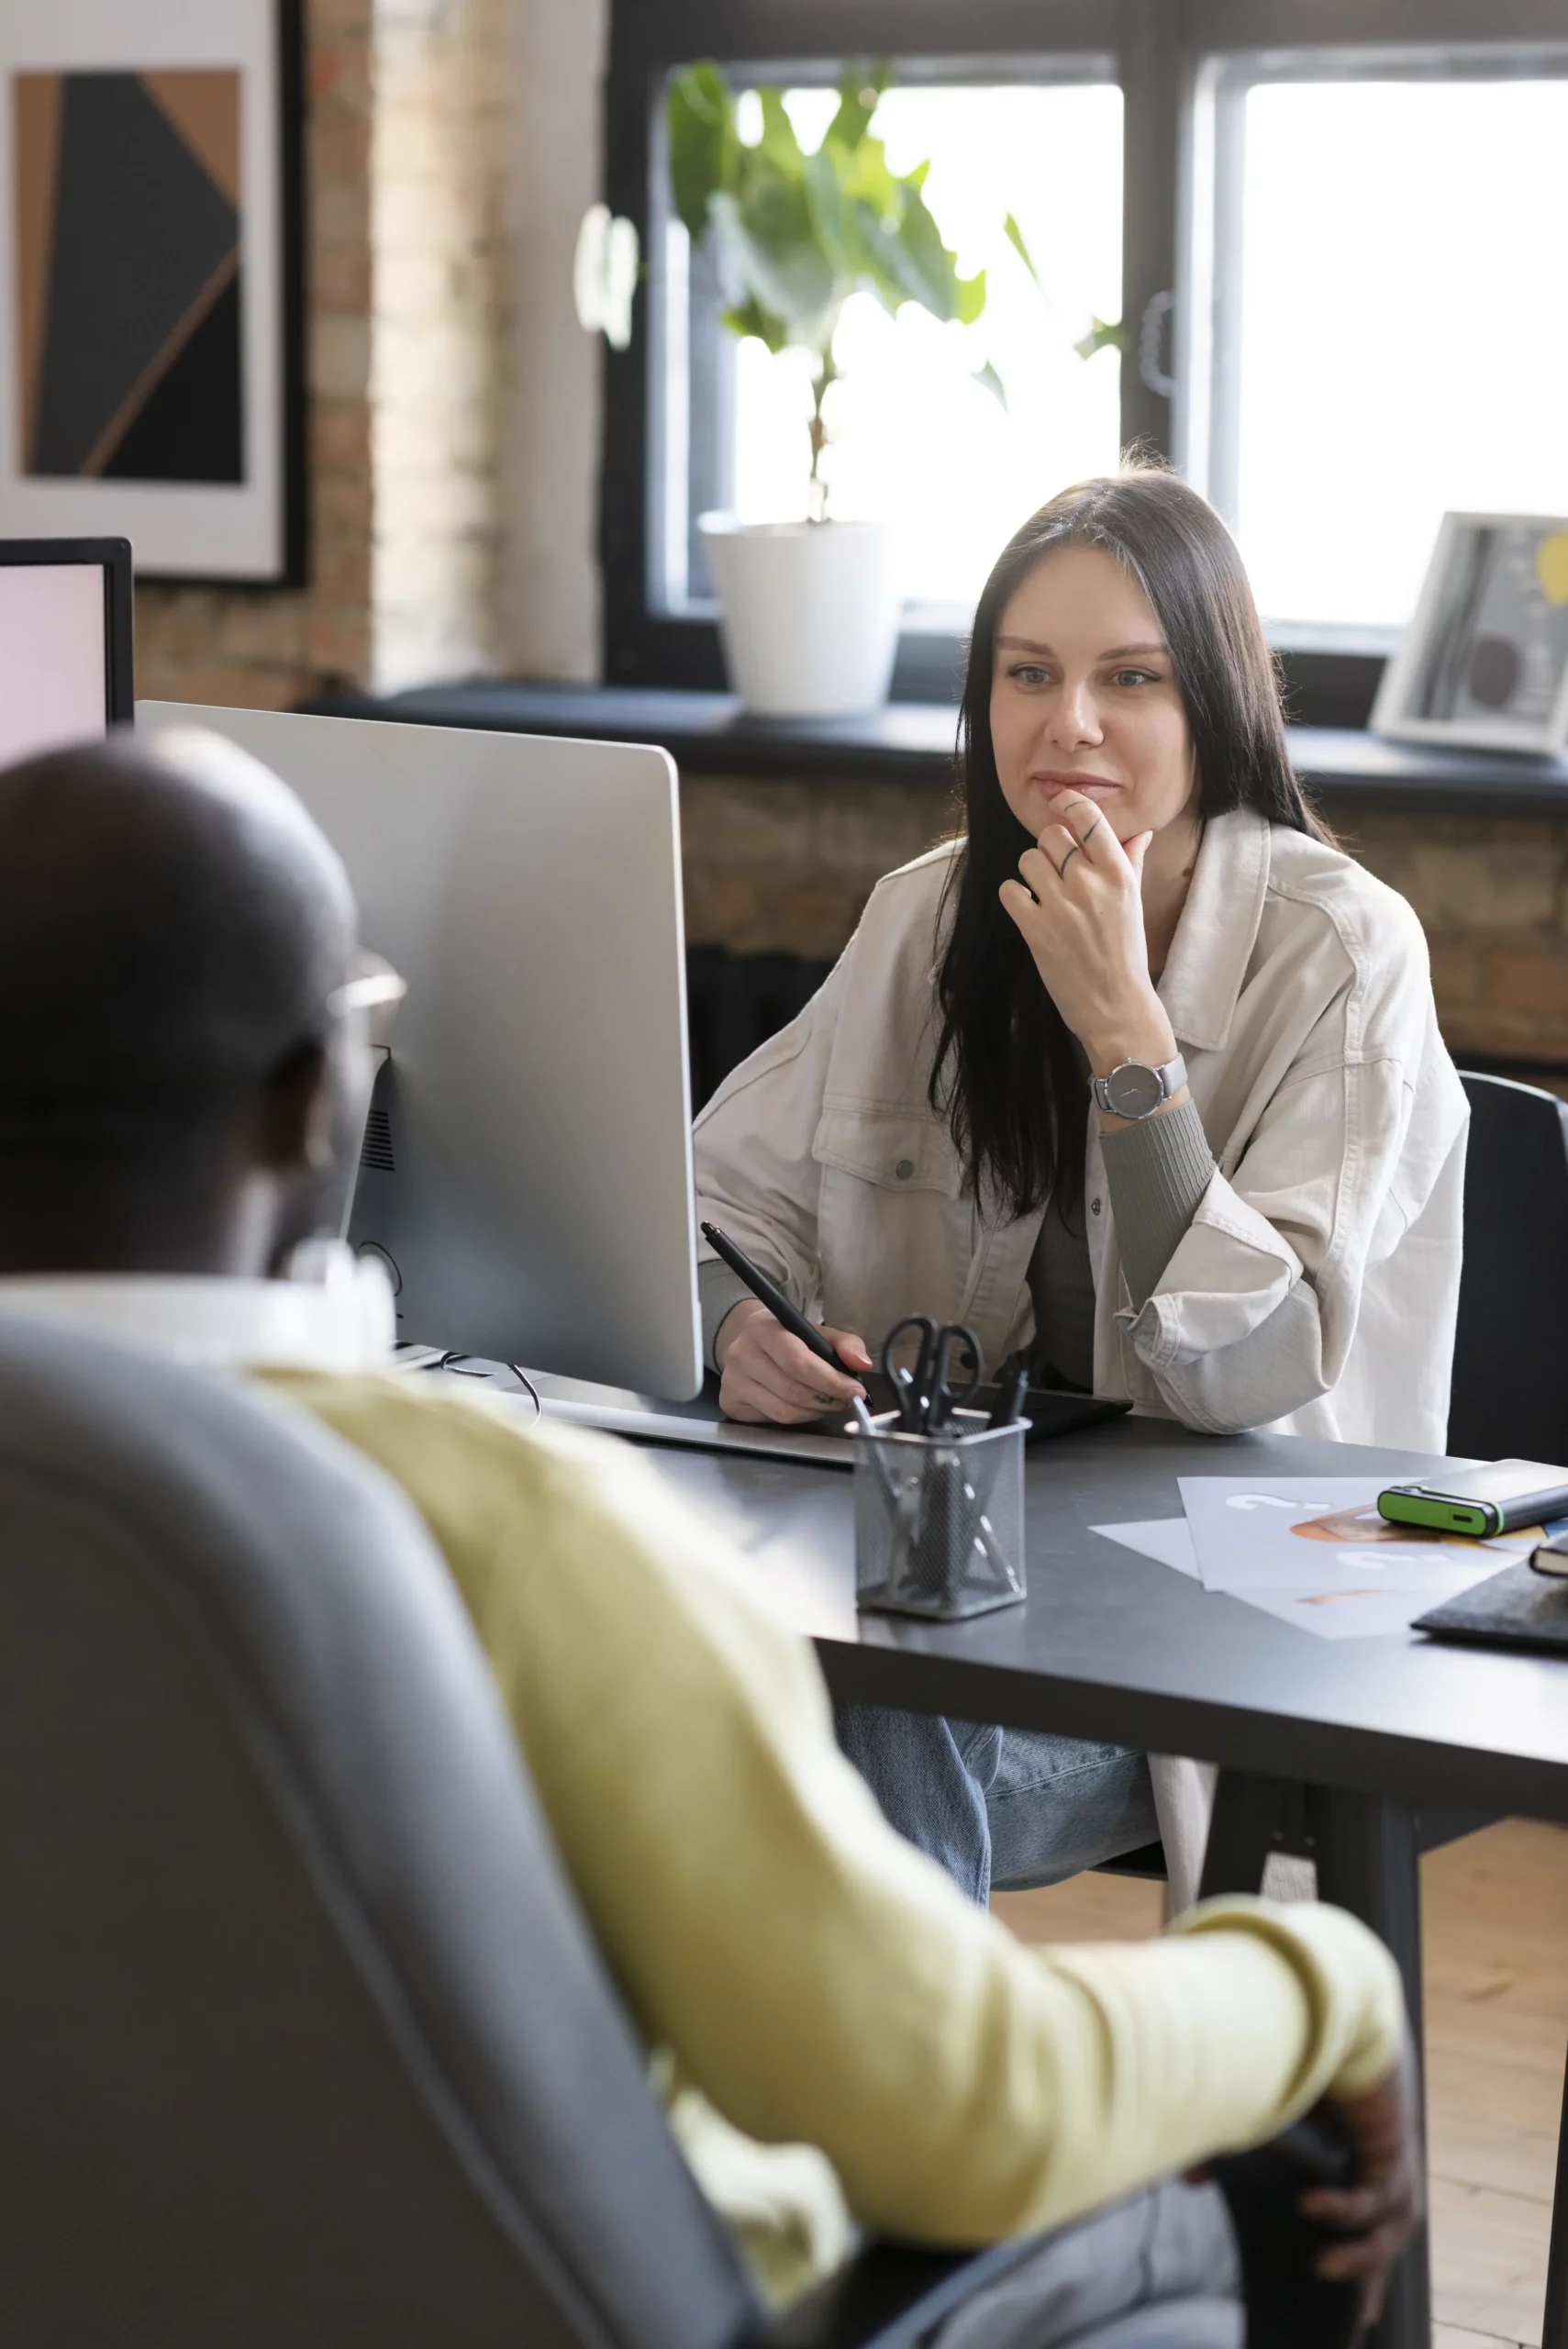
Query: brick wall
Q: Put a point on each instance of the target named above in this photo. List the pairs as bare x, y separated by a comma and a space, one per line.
785, 867
444, 91
1493, 899
406, 338
773, 867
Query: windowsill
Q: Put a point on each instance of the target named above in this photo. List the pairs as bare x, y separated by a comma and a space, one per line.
913, 742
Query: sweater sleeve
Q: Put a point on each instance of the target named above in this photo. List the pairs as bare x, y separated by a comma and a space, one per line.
719, 1290
1157, 1171
818, 1979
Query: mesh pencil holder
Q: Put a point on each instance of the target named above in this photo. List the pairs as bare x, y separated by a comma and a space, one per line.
940, 1519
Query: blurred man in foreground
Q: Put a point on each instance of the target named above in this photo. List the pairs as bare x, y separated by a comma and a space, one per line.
181, 1066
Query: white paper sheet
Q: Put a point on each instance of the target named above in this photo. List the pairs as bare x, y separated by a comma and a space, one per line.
1167, 1540
1317, 1535
1346, 1615
1377, 1595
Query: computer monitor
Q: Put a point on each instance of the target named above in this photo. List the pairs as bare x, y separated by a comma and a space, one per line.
65, 642
532, 1189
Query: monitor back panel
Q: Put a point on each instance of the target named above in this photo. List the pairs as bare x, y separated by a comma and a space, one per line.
538, 1206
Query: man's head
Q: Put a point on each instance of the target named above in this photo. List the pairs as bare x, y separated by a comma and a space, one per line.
176, 1078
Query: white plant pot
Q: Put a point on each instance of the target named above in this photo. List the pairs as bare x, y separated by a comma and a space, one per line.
809, 613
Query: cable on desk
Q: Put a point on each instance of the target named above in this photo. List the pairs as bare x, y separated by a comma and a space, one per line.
453, 1362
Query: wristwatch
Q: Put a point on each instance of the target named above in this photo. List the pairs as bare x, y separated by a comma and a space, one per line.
1134, 1090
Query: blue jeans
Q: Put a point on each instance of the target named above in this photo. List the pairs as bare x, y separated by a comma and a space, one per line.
1002, 1808
1159, 2271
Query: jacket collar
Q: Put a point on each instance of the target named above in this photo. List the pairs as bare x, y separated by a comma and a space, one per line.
1202, 978
334, 1313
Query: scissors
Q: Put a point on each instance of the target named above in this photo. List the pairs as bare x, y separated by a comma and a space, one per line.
928, 1394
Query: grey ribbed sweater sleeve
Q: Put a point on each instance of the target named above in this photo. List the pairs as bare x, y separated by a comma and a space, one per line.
1157, 1171
719, 1290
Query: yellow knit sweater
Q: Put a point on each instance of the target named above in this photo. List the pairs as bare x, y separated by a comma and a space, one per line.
817, 1980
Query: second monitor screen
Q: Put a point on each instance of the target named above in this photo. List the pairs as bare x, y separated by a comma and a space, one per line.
53, 672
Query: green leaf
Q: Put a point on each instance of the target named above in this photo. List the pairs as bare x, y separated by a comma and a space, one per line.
914, 253
859, 92
796, 235
778, 145
767, 251
865, 178
988, 379
750, 318
705, 146
833, 217
1103, 335
1015, 237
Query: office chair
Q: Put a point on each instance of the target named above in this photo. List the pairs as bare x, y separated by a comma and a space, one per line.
306, 2042
1509, 1393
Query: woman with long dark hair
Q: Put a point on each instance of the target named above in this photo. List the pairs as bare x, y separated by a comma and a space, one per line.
1141, 1074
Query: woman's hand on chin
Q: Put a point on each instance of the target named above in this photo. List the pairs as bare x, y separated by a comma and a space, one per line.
767, 1375
1079, 909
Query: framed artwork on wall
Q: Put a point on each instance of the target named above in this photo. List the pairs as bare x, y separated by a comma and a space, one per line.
151, 320
1484, 660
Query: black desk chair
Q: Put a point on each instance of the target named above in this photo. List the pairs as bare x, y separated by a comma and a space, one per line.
1509, 1396
304, 2041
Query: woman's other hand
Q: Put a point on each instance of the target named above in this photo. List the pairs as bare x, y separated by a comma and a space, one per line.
1078, 910
767, 1375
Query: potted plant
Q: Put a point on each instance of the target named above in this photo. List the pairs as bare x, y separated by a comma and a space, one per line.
809, 609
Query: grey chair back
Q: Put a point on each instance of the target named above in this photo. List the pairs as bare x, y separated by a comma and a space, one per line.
1509, 1393
306, 2044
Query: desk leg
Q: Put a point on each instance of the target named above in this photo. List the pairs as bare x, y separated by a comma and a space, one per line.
1554, 2330
1367, 1855
1249, 1820
1366, 1852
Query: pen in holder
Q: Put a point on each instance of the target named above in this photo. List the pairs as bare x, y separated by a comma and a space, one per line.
940, 1519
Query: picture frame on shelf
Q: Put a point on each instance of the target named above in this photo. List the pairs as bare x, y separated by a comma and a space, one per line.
152, 283
1483, 664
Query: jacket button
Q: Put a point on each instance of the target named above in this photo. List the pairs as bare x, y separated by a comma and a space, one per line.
905, 1168
1093, 1207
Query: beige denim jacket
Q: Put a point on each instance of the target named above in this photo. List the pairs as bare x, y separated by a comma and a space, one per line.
1317, 1286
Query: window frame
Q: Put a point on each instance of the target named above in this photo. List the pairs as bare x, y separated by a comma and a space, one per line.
643, 646
1208, 411
1171, 56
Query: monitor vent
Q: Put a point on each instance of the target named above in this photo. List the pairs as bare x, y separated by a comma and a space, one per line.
375, 1152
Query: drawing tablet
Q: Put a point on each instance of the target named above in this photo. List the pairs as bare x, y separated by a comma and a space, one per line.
1050, 1410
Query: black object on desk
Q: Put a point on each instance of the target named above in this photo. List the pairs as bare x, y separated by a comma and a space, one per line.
1519, 1608
1010, 1403
769, 1292
930, 1394
1049, 1410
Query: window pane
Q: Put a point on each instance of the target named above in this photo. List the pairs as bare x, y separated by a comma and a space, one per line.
1403, 333
915, 438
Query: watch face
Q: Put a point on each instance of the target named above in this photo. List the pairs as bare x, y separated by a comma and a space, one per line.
1134, 1091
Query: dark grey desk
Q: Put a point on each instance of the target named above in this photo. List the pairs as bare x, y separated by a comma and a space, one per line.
1336, 1749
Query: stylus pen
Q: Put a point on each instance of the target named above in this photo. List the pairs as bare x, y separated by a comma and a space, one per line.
768, 1293
1010, 1403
